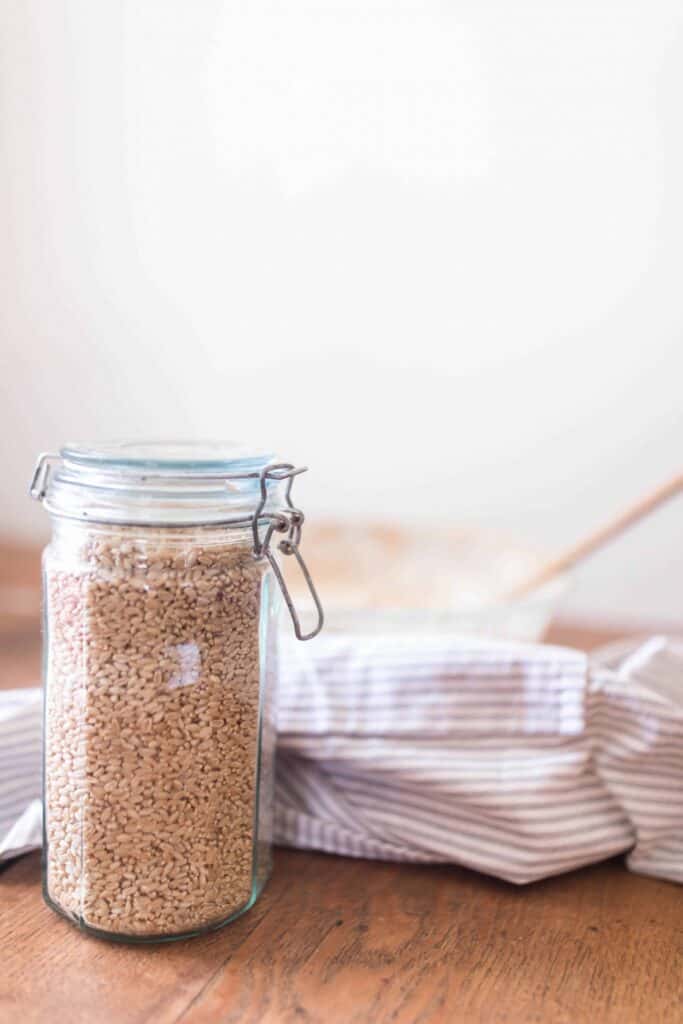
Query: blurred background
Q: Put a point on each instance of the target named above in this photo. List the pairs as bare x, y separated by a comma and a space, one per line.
432, 250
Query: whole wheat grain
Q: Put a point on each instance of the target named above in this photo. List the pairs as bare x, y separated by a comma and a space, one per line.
152, 721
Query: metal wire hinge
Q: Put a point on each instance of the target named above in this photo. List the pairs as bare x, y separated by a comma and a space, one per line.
290, 521
41, 473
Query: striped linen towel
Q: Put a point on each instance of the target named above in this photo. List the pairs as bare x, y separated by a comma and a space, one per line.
521, 761
21, 727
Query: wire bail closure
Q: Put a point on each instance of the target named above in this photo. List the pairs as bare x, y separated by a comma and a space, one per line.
38, 486
290, 521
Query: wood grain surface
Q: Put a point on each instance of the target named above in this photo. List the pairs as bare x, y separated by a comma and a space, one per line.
339, 940
342, 941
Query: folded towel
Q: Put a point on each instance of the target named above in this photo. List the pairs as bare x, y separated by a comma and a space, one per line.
21, 726
636, 721
521, 761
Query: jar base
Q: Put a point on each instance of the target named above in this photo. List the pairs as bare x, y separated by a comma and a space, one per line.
144, 940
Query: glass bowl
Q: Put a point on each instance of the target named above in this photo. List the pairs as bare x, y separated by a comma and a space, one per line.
382, 578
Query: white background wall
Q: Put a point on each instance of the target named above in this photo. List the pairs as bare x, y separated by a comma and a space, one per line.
432, 249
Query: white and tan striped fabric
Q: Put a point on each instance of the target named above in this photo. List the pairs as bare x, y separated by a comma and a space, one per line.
521, 761
636, 720
21, 727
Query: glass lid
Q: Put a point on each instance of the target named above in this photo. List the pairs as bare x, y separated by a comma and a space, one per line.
159, 457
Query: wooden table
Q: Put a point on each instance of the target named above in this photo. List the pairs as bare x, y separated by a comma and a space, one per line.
341, 941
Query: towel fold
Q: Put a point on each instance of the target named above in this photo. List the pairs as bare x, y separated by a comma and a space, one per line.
522, 761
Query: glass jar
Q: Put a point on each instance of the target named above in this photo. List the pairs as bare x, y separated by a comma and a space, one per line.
160, 615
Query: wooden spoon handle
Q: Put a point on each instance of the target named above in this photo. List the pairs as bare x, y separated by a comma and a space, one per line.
601, 536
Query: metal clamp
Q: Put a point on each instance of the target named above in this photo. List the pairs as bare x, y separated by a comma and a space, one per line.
38, 486
290, 521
